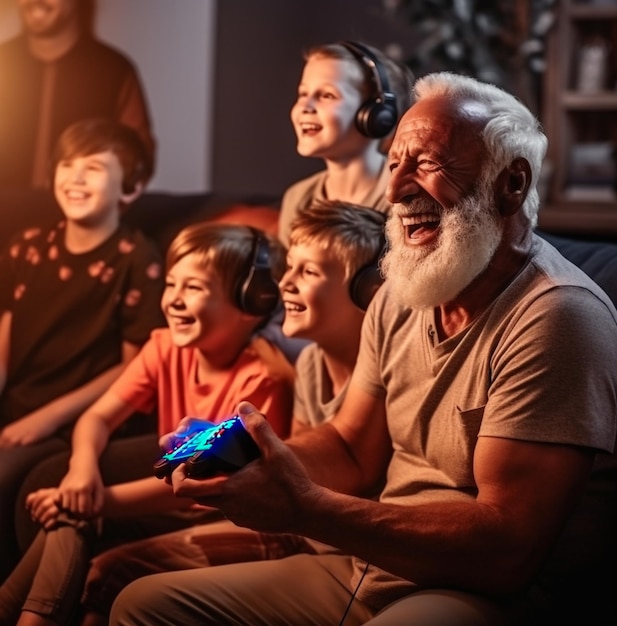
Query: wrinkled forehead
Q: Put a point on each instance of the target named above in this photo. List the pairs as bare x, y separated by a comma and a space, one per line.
441, 121
465, 111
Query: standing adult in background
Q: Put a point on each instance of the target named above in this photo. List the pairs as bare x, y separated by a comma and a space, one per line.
53, 74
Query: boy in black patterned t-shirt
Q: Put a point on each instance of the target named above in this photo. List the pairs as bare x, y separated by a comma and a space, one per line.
77, 301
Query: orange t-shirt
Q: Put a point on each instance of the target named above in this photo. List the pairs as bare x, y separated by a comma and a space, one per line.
164, 377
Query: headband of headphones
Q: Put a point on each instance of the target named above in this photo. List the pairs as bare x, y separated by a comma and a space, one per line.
377, 116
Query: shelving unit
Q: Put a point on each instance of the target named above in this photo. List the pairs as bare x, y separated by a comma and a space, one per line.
580, 118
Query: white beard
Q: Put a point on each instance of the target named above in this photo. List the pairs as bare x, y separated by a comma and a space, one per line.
429, 276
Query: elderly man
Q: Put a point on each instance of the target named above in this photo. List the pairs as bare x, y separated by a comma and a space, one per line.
483, 401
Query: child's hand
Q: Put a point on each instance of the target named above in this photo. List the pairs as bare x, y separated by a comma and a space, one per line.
25, 431
186, 427
82, 493
43, 506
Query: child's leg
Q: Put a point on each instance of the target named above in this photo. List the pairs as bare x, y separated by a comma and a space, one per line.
15, 463
14, 591
205, 545
31, 619
64, 563
122, 460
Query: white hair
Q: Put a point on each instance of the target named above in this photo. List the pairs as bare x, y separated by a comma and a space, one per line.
511, 132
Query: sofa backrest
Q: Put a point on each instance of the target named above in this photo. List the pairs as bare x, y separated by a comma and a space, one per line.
597, 259
159, 215
162, 215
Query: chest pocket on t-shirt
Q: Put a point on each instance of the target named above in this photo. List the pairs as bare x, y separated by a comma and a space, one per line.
471, 419
462, 440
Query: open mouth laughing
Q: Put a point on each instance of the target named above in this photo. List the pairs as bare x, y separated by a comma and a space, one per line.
293, 307
309, 129
419, 228
180, 322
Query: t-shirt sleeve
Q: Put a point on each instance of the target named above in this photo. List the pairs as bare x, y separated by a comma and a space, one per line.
267, 383
305, 380
563, 340
286, 215
138, 383
7, 278
12, 258
141, 308
274, 398
296, 197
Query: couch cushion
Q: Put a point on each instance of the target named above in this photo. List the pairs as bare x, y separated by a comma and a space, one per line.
162, 215
597, 259
262, 217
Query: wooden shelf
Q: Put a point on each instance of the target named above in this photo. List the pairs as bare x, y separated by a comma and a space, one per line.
575, 119
592, 11
599, 101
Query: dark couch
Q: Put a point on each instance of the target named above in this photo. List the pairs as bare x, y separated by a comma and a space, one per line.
596, 259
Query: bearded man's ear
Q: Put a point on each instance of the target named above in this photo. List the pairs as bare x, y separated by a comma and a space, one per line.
512, 186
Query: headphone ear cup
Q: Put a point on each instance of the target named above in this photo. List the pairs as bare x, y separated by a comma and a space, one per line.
364, 285
258, 293
378, 116
376, 119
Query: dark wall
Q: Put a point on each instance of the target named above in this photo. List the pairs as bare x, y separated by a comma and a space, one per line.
259, 63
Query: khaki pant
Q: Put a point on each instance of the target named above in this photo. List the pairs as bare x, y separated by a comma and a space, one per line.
301, 590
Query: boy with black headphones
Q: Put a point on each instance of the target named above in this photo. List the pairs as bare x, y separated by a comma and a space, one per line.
219, 288
350, 98
331, 274
77, 300
332, 244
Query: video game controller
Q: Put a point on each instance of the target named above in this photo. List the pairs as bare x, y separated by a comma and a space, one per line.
224, 448
227, 448
185, 449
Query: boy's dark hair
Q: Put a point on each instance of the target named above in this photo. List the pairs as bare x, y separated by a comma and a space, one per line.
228, 249
355, 234
94, 135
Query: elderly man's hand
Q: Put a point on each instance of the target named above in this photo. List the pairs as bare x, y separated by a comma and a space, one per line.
268, 494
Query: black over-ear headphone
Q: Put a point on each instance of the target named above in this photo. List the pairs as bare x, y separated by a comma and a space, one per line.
378, 115
257, 292
367, 280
